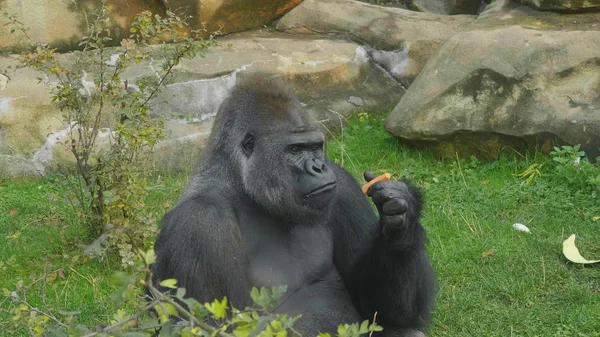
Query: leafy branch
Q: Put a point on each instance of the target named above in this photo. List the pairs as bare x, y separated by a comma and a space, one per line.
182, 316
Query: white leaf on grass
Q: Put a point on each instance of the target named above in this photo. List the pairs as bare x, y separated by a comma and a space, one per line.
520, 227
572, 253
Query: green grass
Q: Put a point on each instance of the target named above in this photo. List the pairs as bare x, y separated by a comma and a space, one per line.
525, 288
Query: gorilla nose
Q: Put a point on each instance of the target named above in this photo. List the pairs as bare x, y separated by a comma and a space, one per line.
315, 166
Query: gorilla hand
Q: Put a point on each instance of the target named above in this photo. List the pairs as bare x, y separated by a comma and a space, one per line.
396, 203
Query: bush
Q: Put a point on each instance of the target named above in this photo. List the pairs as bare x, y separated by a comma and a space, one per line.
172, 314
109, 184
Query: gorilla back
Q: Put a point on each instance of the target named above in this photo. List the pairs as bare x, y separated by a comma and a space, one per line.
268, 208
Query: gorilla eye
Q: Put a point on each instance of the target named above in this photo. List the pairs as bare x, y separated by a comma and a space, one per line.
248, 144
295, 149
317, 147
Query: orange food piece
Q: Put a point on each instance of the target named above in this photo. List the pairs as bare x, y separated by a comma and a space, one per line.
384, 177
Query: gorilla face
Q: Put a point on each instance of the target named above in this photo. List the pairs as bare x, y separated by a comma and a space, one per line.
285, 172
313, 181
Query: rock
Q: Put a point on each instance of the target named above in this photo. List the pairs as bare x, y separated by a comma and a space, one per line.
563, 6
511, 77
325, 73
403, 40
17, 167
333, 78
62, 23
432, 6
356, 100
230, 16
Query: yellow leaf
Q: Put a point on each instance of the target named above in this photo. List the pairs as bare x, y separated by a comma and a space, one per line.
169, 309
14, 236
572, 253
169, 283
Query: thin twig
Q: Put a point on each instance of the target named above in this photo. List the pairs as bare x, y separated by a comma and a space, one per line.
124, 321
18, 299
202, 325
166, 74
374, 321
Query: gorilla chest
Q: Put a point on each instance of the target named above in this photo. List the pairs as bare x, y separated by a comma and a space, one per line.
297, 258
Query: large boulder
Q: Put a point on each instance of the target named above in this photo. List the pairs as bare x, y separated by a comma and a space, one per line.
229, 16
62, 23
19, 167
563, 6
515, 75
400, 40
332, 77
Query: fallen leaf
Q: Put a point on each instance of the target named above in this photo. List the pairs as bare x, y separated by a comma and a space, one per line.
14, 235
166, 204
571, 252
50, 277
132, 324
488, 253
484, 182
520, 227
12, 211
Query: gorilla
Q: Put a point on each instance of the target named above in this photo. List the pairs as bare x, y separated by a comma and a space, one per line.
268, 208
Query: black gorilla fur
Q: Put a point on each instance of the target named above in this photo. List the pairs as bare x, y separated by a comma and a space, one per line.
268, 208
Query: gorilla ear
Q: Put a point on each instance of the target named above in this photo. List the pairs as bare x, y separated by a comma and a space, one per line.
248, 144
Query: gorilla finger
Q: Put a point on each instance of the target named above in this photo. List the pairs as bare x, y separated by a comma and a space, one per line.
393, 221
395, 206
378, 186
368, 175
382, 196
398, 186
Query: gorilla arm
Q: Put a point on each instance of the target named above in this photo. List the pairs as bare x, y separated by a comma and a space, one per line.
383, 261
200, 246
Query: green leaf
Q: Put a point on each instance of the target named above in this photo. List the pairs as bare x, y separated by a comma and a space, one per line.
278, 292
149, 257
266, 298
218, 309
261, 324
164, 311
364, 327
180, 294
169, 283
375, 327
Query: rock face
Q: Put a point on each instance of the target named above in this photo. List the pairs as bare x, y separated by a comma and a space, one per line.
232, 15
62, 23
402, 40
509, 76
564, 6
19, 167
332, 77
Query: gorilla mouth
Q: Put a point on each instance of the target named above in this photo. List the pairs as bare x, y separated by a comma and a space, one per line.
320, 190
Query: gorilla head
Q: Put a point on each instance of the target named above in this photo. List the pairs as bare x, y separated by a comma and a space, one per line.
277, 150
